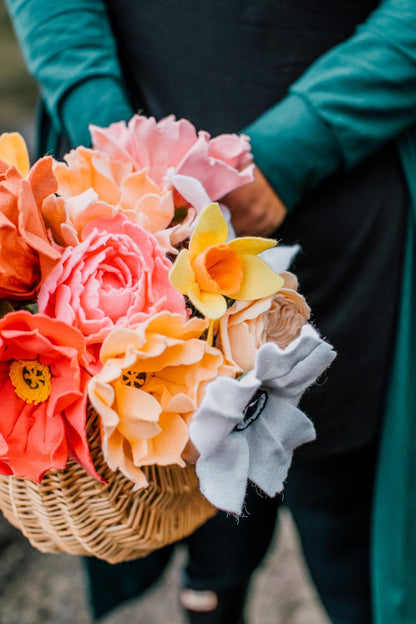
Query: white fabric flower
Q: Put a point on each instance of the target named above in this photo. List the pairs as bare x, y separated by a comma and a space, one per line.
247, 429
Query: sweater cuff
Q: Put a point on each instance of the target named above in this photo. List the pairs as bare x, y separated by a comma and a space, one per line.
294, 148
100, 101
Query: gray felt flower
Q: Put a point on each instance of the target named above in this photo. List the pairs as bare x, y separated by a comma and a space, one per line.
247, 429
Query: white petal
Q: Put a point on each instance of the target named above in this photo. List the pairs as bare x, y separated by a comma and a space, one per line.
223, 475
220, 411
272, 439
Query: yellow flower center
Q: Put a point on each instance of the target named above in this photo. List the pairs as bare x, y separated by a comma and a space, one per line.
31, 380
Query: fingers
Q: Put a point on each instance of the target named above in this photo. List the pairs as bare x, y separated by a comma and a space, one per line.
256, 210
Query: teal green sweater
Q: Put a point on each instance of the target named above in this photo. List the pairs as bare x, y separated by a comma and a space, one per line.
321, 127
353, 99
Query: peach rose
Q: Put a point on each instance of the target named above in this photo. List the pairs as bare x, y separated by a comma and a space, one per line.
116, 276
152, 381
26, 253
247, 325
92, 185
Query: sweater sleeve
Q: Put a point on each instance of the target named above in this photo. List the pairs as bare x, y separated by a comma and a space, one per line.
69, 48
356, 97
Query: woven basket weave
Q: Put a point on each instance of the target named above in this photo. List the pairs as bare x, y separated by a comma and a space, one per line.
69, 511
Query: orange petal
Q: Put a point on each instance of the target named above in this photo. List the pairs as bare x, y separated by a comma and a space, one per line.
166, 448
13, 151
218, 270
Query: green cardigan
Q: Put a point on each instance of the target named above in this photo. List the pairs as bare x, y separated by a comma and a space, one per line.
353, 99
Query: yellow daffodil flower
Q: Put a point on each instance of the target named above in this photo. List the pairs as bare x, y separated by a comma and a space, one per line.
13, 151
212, 269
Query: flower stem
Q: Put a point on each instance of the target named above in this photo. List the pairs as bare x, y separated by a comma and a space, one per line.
210, 337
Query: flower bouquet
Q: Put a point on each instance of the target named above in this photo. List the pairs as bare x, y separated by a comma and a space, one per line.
151, 363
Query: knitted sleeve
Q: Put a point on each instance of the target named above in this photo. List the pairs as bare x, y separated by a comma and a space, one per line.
356, 97
69, 48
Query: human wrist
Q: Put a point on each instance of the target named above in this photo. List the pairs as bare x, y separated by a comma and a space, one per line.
294, 148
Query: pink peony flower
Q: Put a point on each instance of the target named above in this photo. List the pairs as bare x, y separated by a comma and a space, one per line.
117, 276
43, 386
170, 144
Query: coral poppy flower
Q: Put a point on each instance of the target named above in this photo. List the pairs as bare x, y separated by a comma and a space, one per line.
152, 381
212, 269
43, 392
26, 254
13, 151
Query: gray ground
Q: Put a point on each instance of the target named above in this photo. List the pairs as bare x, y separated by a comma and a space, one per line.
50, 589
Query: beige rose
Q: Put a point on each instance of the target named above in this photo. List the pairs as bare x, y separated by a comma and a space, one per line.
248, 324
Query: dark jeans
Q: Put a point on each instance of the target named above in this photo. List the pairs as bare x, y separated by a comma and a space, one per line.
330, 500
222, 556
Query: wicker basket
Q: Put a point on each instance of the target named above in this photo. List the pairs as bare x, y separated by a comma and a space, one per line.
69, 511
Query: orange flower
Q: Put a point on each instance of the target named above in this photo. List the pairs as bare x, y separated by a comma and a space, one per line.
13, 151
43, 391
93, 185
26, 254
152, 381
247, 325
88, 169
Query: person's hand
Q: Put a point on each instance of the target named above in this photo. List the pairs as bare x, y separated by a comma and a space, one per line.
256, 210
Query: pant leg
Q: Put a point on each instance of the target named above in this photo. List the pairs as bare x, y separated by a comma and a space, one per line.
109, 585
224, 553
330, 500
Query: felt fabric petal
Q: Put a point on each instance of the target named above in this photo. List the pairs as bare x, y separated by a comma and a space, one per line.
211, 229
259, 280
181, 275
293, 369
217, 176
251, 245
272, 440
135, 405
223, 474
13, 151
190, 188
211, 305
262, 407
166, 448
280, 258
220, 411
